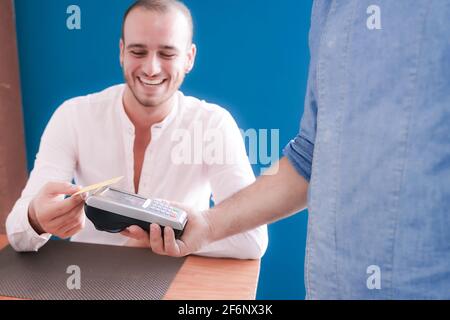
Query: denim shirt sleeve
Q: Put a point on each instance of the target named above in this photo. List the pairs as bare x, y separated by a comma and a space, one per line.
300, 150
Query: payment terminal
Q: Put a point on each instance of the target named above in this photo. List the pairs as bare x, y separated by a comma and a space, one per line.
113, 210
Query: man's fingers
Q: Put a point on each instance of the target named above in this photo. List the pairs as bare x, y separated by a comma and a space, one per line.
156, 239
170, 245
183, 250
72, 231
62, 223
61, 217
61, 208
136, 233
60, 188
72, 221
126, 233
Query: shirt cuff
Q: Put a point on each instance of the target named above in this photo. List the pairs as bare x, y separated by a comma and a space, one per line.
33, 234
23, 237
300, 154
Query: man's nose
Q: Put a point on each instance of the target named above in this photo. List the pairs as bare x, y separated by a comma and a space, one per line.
152, 65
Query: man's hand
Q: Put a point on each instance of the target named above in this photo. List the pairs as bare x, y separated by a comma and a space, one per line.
196, 235
47, 213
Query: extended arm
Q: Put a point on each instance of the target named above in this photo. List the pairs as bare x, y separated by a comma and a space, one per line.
270, 198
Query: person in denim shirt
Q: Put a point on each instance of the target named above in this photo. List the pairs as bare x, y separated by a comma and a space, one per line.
371, 161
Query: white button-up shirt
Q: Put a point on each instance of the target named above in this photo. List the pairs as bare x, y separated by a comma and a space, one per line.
196, 151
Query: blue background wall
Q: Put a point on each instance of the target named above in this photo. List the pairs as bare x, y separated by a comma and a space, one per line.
253, 59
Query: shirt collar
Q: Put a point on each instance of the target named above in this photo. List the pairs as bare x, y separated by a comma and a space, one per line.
157, 127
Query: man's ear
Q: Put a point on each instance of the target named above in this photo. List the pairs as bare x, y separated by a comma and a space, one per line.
122, 48
191, 58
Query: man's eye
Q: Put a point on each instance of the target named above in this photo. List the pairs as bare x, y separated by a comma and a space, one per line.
138, 53
168, 55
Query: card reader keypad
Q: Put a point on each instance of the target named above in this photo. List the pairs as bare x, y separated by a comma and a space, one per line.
163, 208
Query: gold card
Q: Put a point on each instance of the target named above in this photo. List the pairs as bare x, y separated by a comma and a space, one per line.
98, 185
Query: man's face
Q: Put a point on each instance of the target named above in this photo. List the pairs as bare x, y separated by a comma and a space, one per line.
155, 54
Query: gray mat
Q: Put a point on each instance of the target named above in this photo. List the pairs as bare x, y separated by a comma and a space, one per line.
106, 272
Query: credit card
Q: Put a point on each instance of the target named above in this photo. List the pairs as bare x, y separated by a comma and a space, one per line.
98, 185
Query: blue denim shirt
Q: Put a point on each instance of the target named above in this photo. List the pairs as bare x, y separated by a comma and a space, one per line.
374, 144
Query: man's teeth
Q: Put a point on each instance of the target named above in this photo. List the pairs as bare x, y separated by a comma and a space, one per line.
152, 82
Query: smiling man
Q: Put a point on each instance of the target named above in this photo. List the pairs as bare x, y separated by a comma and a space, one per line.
129, 130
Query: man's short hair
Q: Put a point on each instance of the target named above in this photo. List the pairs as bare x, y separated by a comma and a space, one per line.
161, 6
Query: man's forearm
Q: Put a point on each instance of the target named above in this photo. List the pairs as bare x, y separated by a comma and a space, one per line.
270, 198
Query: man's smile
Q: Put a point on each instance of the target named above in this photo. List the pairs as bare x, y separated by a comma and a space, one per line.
151, 82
